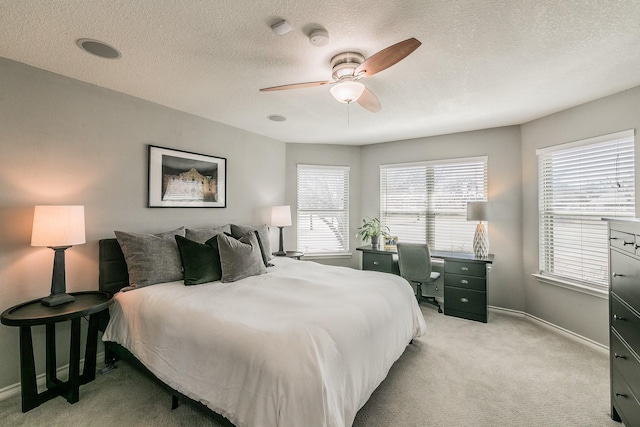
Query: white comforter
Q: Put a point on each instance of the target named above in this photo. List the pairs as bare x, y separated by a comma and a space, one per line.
303, 345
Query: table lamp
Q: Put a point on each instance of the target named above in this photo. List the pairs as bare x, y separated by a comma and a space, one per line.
59, 228
478, 211
281, 217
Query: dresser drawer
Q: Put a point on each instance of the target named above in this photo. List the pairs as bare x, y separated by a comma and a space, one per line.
626, 363
622, 240
379, 262
625, 322
465, 300
465, 268
467, 282
625, 278
624, 400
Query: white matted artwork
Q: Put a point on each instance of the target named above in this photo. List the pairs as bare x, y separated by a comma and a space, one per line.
181, 179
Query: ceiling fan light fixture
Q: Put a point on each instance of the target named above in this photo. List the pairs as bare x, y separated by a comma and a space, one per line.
347, 91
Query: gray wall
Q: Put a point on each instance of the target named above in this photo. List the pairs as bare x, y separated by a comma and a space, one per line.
332, 155
66, 142
583, 314
502, 146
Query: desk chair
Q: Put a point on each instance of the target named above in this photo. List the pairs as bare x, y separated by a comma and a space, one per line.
414, 260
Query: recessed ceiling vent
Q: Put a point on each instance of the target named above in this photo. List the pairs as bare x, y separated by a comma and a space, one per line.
98, 48
276, 118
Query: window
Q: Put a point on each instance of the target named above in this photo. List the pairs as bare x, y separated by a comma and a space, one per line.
580, 183
427, 201
323, 209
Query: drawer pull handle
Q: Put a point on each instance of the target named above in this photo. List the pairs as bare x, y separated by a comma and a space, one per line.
376, 263
617, 274
625, 243
637, 246
613, 238
464, 268
621, 395
465, 282
616, 317
619, 356
464, 300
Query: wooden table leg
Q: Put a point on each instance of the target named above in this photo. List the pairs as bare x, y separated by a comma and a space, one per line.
74, 362
51, 365
29, 388
90, 353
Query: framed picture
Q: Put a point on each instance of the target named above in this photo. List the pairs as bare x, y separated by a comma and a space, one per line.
390, 242
180, 179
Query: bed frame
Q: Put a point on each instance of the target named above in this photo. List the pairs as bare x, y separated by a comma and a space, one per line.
113, 276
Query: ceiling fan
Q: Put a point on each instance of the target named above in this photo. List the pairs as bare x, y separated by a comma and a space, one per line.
349, 67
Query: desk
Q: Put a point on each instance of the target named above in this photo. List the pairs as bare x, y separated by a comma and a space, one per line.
465, 278
32, 313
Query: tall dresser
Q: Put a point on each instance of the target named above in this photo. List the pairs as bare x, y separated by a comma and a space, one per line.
624, 320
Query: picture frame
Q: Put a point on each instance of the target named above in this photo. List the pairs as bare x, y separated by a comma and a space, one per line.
182, 179
390, 242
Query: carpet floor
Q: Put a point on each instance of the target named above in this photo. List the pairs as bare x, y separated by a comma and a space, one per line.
508, 372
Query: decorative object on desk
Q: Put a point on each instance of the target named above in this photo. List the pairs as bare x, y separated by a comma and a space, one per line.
390, 242
281, 217
372, 229
59, 228
478, 211
180, 179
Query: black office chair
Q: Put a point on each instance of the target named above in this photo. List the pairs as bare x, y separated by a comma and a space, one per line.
414, 260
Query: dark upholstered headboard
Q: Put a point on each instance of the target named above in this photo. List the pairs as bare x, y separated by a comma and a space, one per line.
112, 268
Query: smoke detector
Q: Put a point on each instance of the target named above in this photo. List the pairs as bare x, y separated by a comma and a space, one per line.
319, 38
281, 27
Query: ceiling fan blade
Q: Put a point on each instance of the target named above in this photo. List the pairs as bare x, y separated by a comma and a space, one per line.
369, 101
293, 86
387, 57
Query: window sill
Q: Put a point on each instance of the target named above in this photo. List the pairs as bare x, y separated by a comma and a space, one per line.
574, 286
327, 255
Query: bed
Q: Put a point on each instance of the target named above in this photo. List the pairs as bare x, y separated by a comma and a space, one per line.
304, 344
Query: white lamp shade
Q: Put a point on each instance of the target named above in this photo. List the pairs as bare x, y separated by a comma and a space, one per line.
57, 226
477, 211
347, 91
281, 216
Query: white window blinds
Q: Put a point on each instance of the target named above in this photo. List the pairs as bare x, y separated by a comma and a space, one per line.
323, 209
579, 184
427, 201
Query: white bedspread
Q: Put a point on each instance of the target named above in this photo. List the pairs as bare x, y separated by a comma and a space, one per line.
303, 345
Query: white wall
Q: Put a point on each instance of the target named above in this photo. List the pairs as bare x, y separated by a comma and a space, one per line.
583, 314
67, 142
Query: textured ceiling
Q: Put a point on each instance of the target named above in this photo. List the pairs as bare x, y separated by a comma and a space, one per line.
481, 64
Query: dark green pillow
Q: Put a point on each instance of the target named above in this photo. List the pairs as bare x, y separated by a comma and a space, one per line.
200, 261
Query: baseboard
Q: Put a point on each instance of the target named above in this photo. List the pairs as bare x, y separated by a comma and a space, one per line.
61, 372
565, 332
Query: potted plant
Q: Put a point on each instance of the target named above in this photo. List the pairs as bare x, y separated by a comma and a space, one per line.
372, 228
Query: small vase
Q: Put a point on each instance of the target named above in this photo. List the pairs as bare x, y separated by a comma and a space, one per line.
375, 241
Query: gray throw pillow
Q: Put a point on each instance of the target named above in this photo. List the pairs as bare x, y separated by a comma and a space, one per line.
240, 258
238, 231
151, 258
201, 235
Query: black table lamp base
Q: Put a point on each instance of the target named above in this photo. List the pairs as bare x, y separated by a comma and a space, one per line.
58, 286
281, 251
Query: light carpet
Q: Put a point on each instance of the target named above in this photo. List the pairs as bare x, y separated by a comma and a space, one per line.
510, 371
